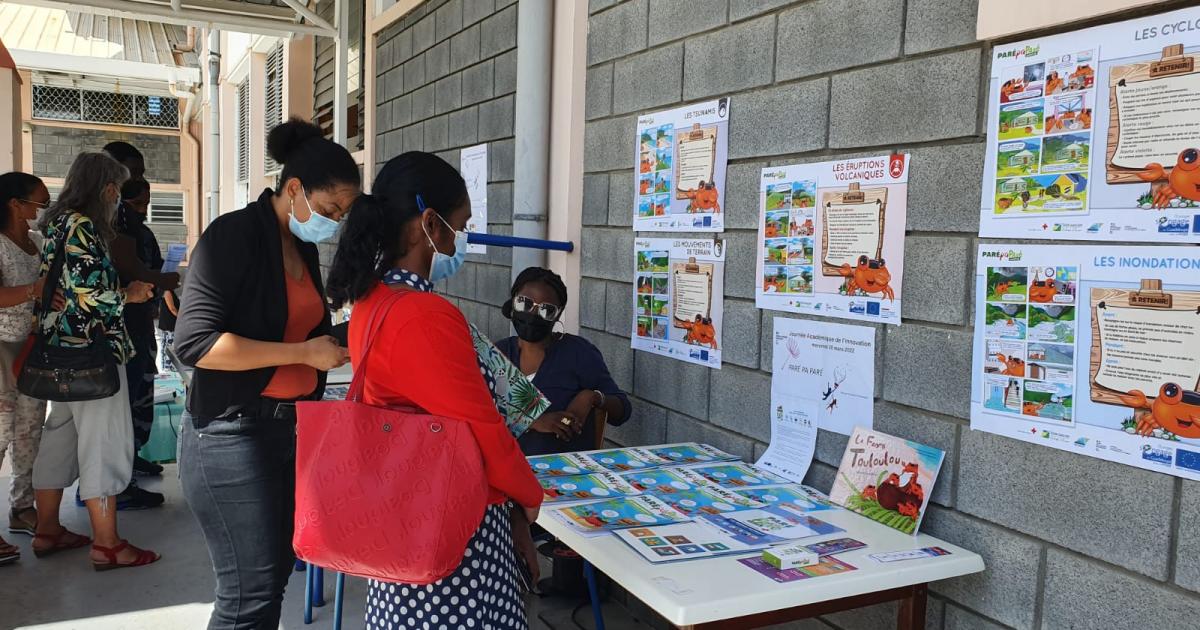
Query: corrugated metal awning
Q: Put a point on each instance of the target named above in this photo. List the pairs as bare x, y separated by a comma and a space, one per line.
53, 30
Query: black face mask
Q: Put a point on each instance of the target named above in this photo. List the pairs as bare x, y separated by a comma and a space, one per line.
531, 328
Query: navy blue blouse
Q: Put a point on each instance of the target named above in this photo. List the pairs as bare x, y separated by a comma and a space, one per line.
572, 364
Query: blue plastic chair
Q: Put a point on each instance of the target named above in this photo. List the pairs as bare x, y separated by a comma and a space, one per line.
314, 593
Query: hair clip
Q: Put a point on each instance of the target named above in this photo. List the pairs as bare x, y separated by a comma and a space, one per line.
420, 203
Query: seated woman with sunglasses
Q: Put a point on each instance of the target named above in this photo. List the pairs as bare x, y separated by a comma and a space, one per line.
568, 369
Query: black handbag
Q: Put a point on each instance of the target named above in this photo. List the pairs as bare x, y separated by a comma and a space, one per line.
63, 374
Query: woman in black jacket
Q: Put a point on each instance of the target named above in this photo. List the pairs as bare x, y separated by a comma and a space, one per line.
255, 326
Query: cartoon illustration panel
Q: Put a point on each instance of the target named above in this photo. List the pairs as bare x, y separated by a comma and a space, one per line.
1101, 358
680, 157
678, 298
1095, 134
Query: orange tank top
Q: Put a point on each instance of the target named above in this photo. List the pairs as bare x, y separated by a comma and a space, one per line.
304, 314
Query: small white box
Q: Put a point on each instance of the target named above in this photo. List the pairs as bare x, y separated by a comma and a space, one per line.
789, 557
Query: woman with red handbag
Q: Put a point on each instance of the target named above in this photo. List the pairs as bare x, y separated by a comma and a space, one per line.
403, 238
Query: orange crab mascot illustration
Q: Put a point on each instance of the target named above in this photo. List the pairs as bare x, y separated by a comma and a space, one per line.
1043, 291
701, 332
1184, 180
1010, 87
1002, 287
899, 492
1054, 83
1013, 366
703, 198
647, 164
1031, 408
869, 276
1174, 409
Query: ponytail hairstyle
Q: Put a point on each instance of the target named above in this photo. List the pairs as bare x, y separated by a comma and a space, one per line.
306, 154
15, 186
372, 233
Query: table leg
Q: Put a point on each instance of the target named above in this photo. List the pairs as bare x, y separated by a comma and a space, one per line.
308, 593
319, 587
589, 572
339, 594
912, 609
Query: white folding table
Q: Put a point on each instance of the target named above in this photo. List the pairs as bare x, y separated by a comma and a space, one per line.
723, 593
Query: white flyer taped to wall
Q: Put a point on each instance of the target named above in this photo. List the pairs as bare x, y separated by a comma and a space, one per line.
473, 165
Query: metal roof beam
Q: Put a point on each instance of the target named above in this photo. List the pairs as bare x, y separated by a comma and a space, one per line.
307, 14
250, 21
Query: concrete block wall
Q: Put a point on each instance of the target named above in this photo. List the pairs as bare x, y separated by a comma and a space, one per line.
54, 148
445, 80
1070, 541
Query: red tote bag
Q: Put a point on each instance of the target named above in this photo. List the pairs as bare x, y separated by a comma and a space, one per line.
387, 493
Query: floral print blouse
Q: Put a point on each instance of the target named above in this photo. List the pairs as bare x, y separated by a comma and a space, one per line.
92, 289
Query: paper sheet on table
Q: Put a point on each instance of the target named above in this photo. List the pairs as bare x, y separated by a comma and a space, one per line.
1142, 348
175, 254
1158, 118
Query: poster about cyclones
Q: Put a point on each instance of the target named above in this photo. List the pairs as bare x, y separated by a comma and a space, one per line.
1095, 134
679, 177
1091, 350
831, 238
678, 298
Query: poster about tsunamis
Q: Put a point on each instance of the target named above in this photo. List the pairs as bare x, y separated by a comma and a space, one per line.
831, 238
679, 177
678, 290
1095, 134
1091, 350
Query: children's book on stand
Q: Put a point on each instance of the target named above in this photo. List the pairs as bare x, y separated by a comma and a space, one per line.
562, 465
707, 500
685, 453
886, 479
600, 485
731, 475
602, 517
791, 496
661, 481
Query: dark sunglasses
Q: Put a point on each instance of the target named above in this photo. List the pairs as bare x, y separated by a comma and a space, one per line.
871, 264
544, 310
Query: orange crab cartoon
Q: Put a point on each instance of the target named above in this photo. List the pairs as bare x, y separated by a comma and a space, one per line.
1082, 78
647, 164
1013, 366
1032, 408
703, 198
869, 276
1175, 409
1184, 180
803, 229
900, 492
1002, 287
1043, 291
1054, 83
1010, 87
701, 332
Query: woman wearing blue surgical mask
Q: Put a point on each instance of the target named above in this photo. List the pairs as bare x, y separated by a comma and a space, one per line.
400, 239
256, 327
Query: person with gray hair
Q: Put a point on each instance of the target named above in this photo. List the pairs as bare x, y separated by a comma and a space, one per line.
91, 441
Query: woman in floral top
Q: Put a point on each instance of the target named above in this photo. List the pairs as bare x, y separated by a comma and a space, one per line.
92, 440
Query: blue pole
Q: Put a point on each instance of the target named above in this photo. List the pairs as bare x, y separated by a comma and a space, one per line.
308, 593
589, 572
338, 593
319, 587
500, 240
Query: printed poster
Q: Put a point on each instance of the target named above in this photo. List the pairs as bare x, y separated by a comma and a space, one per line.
680, 174
831, 238
886, 479
826, 371
1094, 135
473, 166
682, 541
678, 296
1091, 350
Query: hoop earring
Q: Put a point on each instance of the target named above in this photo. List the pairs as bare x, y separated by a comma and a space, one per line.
558, 335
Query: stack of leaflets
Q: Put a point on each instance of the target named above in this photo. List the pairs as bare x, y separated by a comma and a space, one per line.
707, 500
735, 475
622, 460
601, 517
683, 541
661, 481
685, 453
770, 525
562, 465
599, 485
789, 495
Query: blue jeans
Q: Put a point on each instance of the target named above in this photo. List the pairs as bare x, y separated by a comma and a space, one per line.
239, 478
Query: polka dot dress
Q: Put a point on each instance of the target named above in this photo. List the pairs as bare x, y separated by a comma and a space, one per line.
483, 593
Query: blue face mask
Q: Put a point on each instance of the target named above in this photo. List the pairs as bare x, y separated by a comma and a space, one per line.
444, 266
316, 229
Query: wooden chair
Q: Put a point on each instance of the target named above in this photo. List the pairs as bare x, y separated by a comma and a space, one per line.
601, 417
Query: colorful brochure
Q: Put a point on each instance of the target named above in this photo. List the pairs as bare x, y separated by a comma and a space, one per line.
827, 566
599, 485
837, 545
886, 479
562, 465
622, 460
604, 516
687, 453
737, 475
791, 496
662, 481
770, 525
683, 541
707, 500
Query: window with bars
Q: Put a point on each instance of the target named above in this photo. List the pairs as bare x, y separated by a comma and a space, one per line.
61, 103
243, 131
166, 208
273, 99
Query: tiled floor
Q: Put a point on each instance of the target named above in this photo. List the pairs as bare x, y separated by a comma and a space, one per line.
63, 592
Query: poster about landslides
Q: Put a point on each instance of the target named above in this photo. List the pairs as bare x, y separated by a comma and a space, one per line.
831, 238
1095, 134
678, 298
1091, 350
679, 177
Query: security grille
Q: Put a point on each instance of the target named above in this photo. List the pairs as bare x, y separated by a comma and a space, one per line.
273, 99
243, 131
60, 103
166, 208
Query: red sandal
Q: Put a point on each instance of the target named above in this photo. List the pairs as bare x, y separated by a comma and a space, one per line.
143, 558
59, 542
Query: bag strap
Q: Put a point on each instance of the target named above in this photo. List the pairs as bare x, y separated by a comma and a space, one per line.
374, 324
53, 274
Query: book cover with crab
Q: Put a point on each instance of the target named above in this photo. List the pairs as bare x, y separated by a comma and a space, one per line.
887, 479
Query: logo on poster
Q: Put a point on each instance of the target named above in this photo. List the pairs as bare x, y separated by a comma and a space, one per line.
1017, 53
1187, 459
1156, 454
873, 308
1095, 228
857, 307
1195, 223
896, 166
1173, 225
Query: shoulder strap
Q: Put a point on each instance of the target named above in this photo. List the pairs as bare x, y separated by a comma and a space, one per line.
374, 323
54, 273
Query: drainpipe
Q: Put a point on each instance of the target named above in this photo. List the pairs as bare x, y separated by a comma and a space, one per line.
531, 154
214, 124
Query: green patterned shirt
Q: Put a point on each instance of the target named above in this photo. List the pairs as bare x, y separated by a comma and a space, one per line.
91, 286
